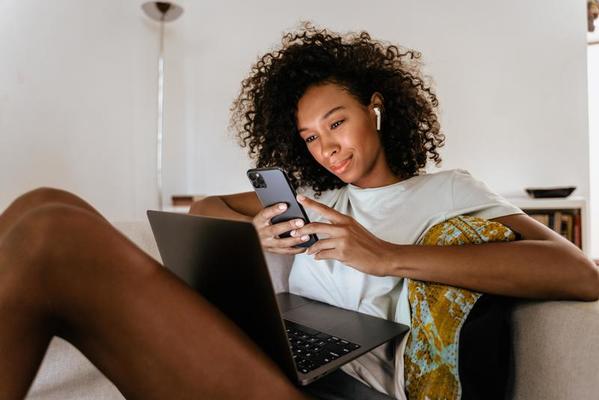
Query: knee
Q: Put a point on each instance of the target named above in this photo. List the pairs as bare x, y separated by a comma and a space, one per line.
26, 248
32, 253
41, 231
44, 195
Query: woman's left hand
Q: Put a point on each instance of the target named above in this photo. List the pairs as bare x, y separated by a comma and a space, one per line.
348, 241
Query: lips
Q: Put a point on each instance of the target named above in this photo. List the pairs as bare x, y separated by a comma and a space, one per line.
341, 166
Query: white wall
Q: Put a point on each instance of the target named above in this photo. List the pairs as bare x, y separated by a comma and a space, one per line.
511, 80
77, 108
77, 90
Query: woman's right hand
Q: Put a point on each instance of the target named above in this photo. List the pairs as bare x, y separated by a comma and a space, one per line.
269, 233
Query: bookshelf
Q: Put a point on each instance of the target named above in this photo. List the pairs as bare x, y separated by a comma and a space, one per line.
567, 216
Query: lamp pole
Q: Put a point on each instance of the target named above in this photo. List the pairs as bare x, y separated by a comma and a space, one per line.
162, 12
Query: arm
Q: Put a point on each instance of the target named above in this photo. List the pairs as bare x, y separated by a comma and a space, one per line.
240, 206
247, 207
543, 265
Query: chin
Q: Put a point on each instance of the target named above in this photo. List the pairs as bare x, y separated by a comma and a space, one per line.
348, 178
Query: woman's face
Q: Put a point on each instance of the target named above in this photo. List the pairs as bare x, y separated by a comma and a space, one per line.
341, 135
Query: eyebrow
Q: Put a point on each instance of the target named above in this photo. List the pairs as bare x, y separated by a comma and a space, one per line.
332, 110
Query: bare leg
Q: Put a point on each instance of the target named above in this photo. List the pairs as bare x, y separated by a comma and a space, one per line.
65, 271
36, 198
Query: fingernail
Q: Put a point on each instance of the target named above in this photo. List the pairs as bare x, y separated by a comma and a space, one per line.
299, 223
305, 238
300, 197
282, 206
293, 232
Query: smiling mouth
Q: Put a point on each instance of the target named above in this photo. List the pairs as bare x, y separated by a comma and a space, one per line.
341, 166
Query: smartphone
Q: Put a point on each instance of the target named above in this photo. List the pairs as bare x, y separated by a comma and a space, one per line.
272, 187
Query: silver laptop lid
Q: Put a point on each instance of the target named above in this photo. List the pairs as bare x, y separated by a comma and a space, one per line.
223, 261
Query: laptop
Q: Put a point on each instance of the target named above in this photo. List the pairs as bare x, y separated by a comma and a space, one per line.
223, 261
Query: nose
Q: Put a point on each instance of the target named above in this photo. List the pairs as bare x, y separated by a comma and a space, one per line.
329, 145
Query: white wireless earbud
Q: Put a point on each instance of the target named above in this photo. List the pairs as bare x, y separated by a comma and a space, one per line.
377, 111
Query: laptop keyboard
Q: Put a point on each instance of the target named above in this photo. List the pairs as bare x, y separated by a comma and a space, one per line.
312, 349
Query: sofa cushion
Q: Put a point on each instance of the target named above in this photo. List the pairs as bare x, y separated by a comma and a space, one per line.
556, 349
65, 374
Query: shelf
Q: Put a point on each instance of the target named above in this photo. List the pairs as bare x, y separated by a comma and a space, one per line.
549, 203
573, 205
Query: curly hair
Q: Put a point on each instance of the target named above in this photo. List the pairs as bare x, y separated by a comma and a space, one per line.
264, 113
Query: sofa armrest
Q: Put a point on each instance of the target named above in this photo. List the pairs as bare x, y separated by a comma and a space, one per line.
556, 347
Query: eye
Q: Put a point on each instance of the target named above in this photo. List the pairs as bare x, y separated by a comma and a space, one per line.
310, 139
337, 123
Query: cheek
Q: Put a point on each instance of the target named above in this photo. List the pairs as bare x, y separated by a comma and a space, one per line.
370, 136
315, 153
364, 139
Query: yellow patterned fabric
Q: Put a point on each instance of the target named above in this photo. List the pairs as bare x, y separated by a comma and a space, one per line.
439, 312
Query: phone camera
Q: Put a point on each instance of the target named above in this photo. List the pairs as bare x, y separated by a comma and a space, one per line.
257, 180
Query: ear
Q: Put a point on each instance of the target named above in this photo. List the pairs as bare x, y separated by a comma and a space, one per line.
376, 108
376, 100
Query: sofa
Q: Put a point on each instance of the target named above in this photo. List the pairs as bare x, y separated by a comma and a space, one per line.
556, 346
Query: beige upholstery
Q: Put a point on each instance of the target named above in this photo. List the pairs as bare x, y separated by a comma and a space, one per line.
556, 347
557, 350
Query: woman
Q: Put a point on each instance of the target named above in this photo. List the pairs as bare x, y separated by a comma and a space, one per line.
353, 122
309, 108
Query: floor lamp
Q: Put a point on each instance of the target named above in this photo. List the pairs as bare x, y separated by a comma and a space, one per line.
162, 12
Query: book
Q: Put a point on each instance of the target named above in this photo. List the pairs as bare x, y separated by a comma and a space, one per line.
557, 222
542, 218
565, 221
577, 231
567, 225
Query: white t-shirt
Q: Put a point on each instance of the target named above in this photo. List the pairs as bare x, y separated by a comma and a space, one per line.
400, 213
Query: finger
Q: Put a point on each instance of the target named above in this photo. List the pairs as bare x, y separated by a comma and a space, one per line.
266, 214
319, 227
275, 241
327, 212
322, 245
282, 227
289, 242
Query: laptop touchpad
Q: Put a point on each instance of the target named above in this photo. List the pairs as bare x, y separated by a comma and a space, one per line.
318, 315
